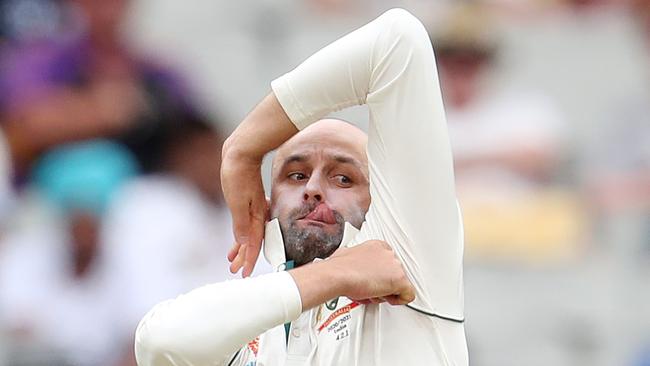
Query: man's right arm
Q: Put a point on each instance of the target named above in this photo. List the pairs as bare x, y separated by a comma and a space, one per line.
208, 325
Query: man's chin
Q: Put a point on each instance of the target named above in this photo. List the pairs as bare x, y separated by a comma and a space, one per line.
317, 226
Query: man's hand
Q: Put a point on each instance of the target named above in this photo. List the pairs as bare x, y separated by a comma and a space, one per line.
374, 274
368, 273
265, 128
243, 190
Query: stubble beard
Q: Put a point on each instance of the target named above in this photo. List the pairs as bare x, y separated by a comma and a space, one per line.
304, 244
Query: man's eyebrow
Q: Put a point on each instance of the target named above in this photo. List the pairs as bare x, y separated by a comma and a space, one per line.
346, 160
295, 158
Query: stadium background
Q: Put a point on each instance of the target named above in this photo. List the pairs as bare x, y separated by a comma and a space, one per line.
112, 114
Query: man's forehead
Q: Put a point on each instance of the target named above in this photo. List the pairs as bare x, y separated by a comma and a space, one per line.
326, 134
329, 131
310, 153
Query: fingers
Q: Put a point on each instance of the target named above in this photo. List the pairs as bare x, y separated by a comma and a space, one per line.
256, 230
374, 300
248, 229
393, 300
232, 253
405, 292
240, 222
267, 209
408, 295
401, 299
238, 261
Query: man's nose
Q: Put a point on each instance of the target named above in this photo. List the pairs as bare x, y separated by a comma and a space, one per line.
314, 189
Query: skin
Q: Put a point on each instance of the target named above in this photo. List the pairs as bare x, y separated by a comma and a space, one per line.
320, 181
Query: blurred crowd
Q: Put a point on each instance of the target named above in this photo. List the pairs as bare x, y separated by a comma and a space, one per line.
112, 116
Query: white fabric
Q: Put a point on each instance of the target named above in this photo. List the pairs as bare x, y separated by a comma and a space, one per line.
193, 329
163, 238
389, 65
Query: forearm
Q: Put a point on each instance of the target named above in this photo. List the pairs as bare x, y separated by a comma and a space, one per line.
265, 128
319, 282
211, 323
208, 325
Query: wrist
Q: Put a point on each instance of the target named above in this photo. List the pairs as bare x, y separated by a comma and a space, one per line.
338, 277
319, 282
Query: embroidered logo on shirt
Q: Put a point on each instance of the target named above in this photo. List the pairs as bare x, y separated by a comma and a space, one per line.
331, 305
337, 321
254, 345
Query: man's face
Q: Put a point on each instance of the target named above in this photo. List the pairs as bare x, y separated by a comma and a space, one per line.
320, 181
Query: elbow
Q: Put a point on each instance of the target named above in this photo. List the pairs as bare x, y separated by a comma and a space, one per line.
227, 146
405, 27
401, 15
165, 338
156, 344
150, 346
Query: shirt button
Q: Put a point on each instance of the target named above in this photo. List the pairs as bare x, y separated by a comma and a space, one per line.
296, 333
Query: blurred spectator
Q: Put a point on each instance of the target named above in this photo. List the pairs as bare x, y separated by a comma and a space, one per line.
78, 269
82, 82
619, 174
641, 11
57, 300
507, 146
170, 232
585, 54
29, 20
618, 183
5, 181
619, 171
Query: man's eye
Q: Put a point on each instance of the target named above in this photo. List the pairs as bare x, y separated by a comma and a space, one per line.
343, 180
297, 176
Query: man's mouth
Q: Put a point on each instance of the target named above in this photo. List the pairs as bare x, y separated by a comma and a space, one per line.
321, 213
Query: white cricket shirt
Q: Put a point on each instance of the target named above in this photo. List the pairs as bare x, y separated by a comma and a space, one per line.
389, 65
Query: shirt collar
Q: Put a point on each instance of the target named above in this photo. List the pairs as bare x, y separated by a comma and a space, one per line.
274, 244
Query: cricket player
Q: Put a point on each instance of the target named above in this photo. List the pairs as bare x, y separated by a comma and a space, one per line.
380, 213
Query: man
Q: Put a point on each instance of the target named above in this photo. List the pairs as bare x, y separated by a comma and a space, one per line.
408, 251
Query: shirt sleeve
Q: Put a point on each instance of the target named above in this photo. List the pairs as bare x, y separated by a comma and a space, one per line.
208, 325
389, 65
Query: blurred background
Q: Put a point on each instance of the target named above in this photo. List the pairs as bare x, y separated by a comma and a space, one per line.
112, 115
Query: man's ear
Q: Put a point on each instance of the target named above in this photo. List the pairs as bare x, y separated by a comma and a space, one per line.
268, 209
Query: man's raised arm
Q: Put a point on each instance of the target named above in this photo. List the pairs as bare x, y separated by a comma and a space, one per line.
389, 65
